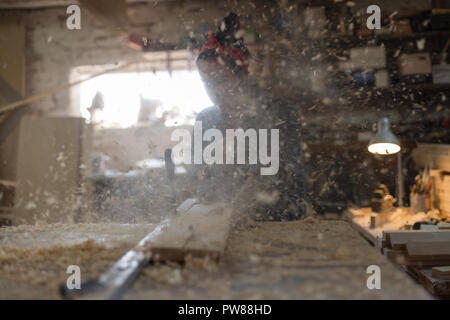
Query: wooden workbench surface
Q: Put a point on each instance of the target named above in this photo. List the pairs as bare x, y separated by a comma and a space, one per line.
359, 218
309, 259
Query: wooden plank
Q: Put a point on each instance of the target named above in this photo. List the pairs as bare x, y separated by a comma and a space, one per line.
398, 239
401, 258
429, 227
186, 205
442, 273
434, 285
202, 231
424, 249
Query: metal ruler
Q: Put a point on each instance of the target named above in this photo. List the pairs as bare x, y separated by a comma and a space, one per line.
114, 282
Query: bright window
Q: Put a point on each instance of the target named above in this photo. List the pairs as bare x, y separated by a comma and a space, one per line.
180, 94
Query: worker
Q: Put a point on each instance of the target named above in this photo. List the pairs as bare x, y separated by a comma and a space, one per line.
239, 103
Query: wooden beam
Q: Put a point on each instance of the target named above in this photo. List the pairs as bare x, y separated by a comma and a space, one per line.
401, 258
435, 286
425, 249
397, 240
442, 273
201, 232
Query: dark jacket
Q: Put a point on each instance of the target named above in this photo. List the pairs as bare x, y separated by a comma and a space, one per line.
222, 182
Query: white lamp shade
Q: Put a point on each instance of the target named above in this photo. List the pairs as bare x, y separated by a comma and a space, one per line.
384, 148
384, 142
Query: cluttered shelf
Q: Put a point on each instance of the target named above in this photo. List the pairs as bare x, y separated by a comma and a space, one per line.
405, 52
399, 88
419, 87
354, 40
407, 96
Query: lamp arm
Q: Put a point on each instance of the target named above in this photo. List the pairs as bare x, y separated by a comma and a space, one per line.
400, 183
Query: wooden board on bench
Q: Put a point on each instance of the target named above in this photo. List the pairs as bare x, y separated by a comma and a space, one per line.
200, 232
397, 240
442, 273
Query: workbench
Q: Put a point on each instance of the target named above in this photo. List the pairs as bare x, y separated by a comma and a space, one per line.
307, 259
398, 219
310, 259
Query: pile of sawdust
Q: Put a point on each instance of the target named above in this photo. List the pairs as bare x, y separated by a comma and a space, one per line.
34, 259
45, 235
38, 272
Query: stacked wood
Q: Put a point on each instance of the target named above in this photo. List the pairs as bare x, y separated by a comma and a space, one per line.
442, 273
436, 286
417, 247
